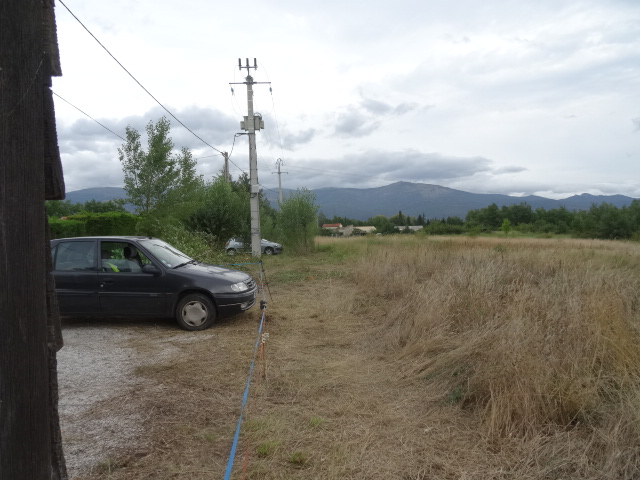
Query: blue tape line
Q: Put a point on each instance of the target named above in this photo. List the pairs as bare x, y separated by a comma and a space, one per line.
234, 446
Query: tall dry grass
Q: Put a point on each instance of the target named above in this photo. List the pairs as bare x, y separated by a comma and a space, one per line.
408, 357
533, 337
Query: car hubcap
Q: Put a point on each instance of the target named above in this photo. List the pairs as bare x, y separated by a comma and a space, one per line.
194, 314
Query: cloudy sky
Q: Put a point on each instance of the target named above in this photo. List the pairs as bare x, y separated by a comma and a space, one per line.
494, 96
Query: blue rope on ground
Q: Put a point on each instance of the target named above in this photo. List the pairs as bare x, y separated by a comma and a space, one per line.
232, 456
234, 446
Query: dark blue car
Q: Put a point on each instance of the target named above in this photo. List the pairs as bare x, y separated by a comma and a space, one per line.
143, 276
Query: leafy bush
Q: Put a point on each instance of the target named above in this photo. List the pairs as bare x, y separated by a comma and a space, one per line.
297, 221
440, 228
224, 213
111, 223
199, 245
66, 228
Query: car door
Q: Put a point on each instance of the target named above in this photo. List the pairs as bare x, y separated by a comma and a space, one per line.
123, 287
76, 275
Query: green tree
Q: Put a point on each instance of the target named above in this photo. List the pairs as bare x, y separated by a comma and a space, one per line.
382, 224
438, 227
59, 208
517, 214
322, 219
150, 176
399, 220
223, 213
454, 221
506, 226
62, 208
297, 221
94, 206
491, 217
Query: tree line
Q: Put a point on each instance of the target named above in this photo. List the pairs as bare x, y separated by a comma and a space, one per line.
602, 221
173, 202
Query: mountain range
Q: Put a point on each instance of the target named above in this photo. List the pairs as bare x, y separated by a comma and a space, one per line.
431, 201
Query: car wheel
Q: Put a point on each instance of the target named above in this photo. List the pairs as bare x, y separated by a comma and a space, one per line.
195, 312
268, 251
231, 251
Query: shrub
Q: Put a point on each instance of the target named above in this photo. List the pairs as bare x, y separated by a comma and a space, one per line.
99, 224
62, 228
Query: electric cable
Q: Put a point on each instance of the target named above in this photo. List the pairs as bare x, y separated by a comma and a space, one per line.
273, 109
267, 188
136, 80
230, 153
85, 113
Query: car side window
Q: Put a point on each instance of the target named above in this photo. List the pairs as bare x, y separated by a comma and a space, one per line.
74, 256
120, 257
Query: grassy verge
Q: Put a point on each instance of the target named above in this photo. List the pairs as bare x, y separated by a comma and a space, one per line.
414, 357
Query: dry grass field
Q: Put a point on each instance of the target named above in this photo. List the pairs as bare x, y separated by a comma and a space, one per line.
408, 357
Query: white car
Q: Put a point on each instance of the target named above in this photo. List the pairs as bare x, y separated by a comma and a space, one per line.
267, 247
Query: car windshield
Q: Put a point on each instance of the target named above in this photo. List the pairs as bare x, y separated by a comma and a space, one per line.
169, 255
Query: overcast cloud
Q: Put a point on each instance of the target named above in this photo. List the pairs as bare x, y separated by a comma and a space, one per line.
514, 97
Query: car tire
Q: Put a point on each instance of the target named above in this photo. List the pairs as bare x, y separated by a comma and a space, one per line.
268, 251
231, 251
195, 312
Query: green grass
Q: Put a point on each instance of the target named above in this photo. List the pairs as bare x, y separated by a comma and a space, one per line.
267, 449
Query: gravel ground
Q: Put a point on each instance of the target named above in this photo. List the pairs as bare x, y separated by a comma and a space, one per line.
100, 413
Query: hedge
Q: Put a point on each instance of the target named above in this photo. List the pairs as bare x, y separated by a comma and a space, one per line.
90, 224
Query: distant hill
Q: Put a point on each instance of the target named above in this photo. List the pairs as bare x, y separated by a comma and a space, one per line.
432, 201
99, 194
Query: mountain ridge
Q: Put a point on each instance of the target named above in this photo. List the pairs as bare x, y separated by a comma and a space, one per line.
431, 201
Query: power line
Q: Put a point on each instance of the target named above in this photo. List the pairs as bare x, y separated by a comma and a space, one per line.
230, 153
267, 188
136, 80
85, 113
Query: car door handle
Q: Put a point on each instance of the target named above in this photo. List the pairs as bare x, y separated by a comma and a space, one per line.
106, 281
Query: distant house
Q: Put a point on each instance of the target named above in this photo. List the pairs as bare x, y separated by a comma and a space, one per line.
413, 228
332, 226
363, 230
338, 229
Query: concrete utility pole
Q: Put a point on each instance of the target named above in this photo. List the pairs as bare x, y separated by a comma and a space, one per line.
251, 124
225, 172
279, 162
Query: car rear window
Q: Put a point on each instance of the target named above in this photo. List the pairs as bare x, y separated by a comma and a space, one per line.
74, 256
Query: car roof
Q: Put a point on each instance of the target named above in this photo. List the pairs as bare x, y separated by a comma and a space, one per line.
109, 237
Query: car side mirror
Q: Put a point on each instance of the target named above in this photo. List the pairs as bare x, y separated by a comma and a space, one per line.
152, 269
